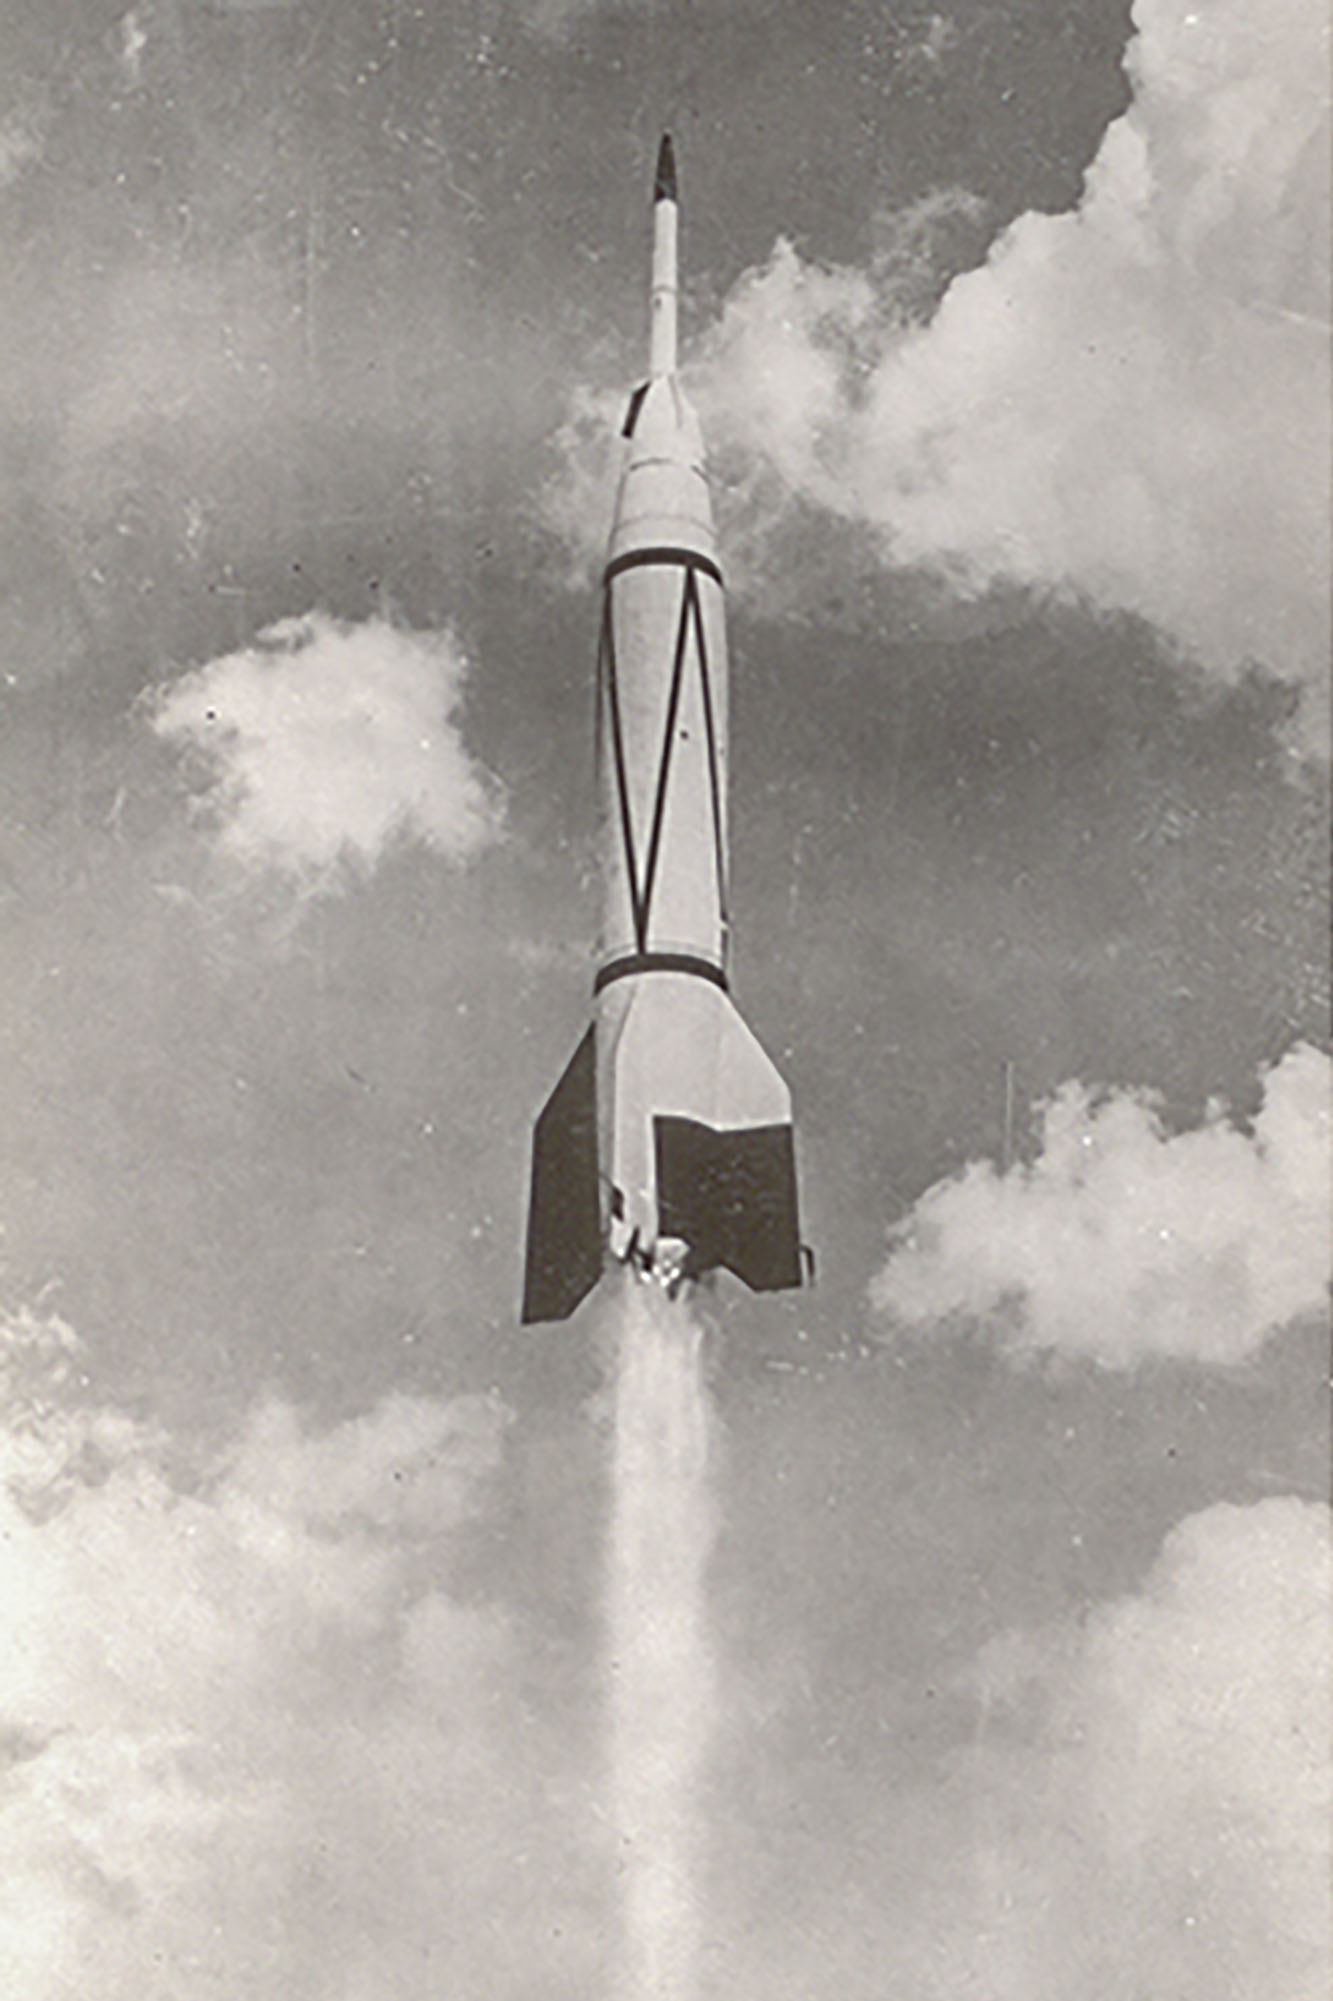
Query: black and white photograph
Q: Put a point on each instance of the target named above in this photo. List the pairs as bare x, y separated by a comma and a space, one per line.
665, 1179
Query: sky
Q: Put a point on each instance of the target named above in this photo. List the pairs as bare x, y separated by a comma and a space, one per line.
1008, 328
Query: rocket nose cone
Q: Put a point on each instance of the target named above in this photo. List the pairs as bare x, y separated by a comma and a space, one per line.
664, 185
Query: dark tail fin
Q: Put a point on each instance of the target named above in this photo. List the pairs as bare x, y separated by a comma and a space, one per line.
564, 1259
731, 1196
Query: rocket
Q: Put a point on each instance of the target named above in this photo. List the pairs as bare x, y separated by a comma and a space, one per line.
667, 1145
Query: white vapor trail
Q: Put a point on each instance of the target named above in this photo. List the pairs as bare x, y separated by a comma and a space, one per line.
659, 1660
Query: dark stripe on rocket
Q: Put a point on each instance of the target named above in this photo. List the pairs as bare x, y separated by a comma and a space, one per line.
691, 616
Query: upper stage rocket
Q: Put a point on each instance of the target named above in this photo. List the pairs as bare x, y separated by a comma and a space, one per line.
667, 1144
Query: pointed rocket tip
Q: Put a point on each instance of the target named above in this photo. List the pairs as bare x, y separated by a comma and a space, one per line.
664, 186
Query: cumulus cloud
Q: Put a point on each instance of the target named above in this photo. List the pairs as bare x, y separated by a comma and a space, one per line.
1139, 1806
1151, 1796
768, 351
1127, 402
255, 1742
323, 743
51, 1437
1121, 1242
574, 504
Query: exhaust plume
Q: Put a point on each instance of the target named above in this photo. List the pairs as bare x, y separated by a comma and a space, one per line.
659, 1663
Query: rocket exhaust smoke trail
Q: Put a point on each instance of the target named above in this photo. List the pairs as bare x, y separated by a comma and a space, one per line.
658, 1656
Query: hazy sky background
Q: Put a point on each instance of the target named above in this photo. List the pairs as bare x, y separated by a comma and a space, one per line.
1008, 325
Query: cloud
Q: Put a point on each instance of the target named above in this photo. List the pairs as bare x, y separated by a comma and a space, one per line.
256, 1741
325, 742
51, 1438
768, 350
1151, 1803
1127, 402
409, 1467
574, 502
1121, 1243
1140, 1807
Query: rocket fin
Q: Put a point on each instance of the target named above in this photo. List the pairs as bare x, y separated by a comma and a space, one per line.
564, 1260
698, 1136
731, 1196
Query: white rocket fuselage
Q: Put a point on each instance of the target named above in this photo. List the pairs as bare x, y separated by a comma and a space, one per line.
693, 1144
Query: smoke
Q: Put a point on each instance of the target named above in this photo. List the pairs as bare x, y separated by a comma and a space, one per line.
1122, 1243
659, 1663
324, 742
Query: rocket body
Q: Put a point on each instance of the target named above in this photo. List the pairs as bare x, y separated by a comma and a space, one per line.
667, 1144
